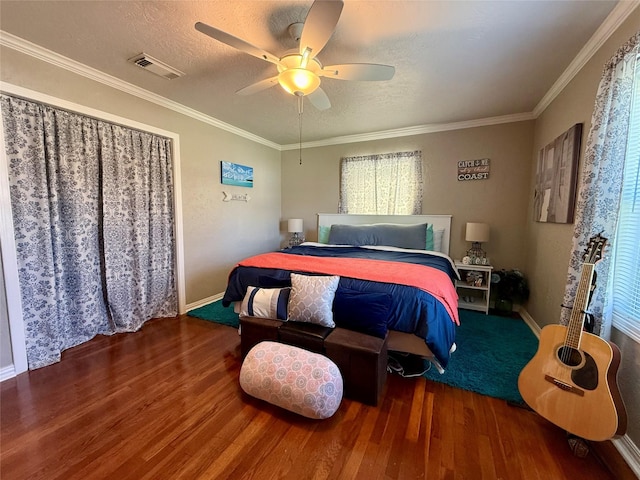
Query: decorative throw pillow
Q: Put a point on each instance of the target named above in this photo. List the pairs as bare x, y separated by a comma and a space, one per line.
361, 311
429, 245
437, 240
311, 299
323, 234
266, 303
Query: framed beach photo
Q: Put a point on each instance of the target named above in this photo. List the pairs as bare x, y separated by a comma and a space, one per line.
235, 174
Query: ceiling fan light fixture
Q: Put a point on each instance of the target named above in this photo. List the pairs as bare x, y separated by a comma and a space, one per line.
299, 81
299, 69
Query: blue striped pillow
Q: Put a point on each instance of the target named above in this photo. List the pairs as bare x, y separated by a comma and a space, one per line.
266, 303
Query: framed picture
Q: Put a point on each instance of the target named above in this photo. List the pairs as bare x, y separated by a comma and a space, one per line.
235, 174
556, 178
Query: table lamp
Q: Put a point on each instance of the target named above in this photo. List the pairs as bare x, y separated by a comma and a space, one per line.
294, 226
476, 234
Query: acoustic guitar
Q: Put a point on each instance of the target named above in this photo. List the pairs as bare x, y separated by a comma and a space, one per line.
571, 380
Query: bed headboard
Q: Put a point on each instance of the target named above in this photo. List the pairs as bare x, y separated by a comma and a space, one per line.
438, 221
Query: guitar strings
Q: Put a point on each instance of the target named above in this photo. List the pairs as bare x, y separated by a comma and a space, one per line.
574, 330
573, 336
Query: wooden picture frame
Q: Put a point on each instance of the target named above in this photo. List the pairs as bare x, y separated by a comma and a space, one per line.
557, 177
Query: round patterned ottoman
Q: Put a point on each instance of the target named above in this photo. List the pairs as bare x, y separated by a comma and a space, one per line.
292, 378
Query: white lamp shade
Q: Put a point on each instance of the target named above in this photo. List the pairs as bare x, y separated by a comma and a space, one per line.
295, 225
477, 232
299, 81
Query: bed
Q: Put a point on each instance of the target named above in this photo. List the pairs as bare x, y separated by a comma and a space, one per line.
409, 289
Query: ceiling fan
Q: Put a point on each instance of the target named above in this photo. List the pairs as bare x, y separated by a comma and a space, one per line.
300, 71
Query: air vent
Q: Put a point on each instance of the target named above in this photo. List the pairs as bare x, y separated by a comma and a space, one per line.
154, 65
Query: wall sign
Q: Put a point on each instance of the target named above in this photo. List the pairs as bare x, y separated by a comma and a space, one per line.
473, 169
241, 197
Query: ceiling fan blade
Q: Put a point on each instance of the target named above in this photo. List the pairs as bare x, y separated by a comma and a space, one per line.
319, 25
258, 86
319, 99
359, 71
237, 43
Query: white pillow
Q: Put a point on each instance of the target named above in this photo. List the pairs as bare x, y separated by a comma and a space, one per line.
311, 299
266, 303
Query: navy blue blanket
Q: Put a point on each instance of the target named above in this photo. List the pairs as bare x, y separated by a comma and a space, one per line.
412, 310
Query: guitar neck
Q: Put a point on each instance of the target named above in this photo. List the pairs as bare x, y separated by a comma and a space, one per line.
578, 312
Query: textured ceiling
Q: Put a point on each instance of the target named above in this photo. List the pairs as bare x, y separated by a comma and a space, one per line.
455, 60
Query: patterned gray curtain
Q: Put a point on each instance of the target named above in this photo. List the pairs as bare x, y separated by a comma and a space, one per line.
601, 185
93, 218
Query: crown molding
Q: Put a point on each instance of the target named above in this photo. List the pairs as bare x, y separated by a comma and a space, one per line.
417, 130
28, 48
617, 16
24, 46
21, 45
18, 91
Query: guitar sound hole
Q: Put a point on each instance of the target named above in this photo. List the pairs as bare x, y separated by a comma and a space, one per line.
569, 356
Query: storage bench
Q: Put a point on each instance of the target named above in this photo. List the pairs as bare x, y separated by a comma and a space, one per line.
254, 330
361, 358
304, 335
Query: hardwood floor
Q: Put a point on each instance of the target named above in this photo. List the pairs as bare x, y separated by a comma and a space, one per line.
165, 403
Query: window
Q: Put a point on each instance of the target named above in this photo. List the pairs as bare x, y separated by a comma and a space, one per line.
626, 255
387, 184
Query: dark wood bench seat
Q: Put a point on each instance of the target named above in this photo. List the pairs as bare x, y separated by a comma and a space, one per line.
361, 358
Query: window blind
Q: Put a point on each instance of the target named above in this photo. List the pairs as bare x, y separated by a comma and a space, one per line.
626, 275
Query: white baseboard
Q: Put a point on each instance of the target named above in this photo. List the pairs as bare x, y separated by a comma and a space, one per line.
528, 319
7, 372
204, 301
629, 451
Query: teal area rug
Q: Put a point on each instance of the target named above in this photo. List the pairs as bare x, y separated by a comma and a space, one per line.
215, 312
491, 352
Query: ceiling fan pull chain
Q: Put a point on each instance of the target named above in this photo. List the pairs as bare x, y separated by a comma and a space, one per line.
300, 108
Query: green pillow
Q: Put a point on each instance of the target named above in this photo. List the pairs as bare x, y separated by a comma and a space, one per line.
323, 234
429, 243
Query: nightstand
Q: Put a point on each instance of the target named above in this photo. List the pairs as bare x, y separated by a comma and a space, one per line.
474, 295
